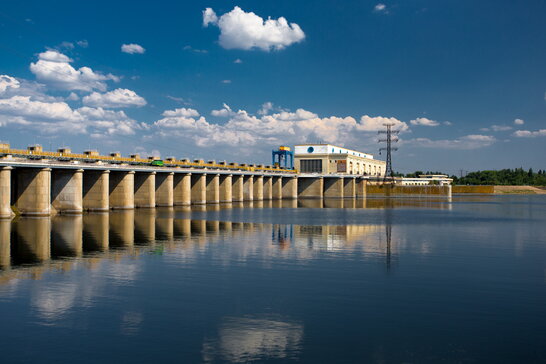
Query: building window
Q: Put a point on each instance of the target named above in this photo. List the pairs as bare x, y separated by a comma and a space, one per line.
311, 165
310, 150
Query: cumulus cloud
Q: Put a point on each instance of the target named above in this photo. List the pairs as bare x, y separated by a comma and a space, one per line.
467, 142
242, 30
8, 82
183, 112
529, 134
132, 48
114, 99
209, 17
54, 69
519, 122
270, 128
424, 122
55, 117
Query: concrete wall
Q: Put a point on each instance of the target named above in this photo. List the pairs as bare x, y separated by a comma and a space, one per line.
5, 192
226, 188
145, 189
473, 189
32, 195
122, 190
389, 190
164, 189
67, 190
268, 187
237, 189
182, 189
248, 188
96, 190
258, 188
333, 187
349, 187
289, 188
213, 188
276, 187
198, 189
310, 187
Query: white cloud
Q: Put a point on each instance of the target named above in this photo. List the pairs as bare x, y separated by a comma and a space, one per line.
271, 129
467, 142
83, 43
209, 17
266, 108
73, 97
497, 128
242, 30
59, 117
424, 122
183, 112
54, 69
226, 81
529, 134
368, 123
54, 56
225, 111
132, 48
380, 8
8, 82
114, 99
519, 122
238, 61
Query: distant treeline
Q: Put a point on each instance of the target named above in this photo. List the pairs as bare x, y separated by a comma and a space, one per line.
504, 177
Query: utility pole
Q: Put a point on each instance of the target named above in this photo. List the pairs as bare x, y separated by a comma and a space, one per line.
389, 139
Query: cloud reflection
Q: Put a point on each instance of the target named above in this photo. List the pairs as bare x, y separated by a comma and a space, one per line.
243, 339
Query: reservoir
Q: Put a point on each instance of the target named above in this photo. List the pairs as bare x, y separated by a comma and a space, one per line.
459, 280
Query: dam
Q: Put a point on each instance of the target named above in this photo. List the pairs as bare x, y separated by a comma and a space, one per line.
38, 183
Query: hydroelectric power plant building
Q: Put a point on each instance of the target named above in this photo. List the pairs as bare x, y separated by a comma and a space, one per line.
331, 159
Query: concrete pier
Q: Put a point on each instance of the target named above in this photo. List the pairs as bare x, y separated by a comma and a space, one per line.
5, 192
289, 188
226, 188
276, 187
198, 189
67, 191
96, 190
33, 191
182, 189
237, 189
268, 187
248, 188
361, 186
310, 187
258, 193
122, 190
333, 187
164, 189
349, 187
213, 188
145, 189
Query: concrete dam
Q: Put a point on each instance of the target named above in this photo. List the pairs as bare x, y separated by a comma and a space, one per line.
36, 183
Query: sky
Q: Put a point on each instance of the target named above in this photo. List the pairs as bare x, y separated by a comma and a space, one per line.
463, 81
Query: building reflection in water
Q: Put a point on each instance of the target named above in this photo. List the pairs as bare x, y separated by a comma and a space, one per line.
245, 339
39, 244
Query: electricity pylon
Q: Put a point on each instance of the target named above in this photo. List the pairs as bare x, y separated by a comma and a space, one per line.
389, 139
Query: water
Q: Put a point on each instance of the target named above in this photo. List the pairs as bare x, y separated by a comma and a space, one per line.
403, 281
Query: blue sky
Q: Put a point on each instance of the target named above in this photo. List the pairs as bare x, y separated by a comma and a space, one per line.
465, 81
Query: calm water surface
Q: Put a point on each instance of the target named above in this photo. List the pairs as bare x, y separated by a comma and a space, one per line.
403, 281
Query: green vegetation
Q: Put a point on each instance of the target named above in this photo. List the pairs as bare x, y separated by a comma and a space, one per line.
504, 177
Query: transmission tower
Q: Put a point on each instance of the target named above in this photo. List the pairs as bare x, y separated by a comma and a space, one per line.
389, 139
